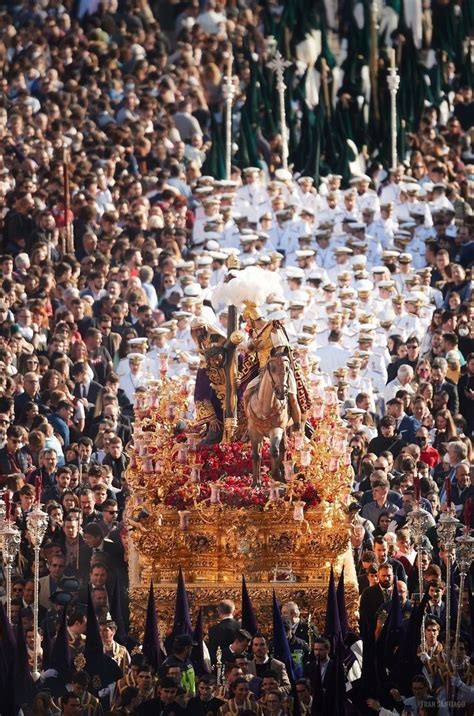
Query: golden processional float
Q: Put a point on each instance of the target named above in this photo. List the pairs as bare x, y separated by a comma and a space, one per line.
195, 505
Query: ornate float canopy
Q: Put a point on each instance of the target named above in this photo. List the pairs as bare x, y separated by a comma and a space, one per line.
195, 507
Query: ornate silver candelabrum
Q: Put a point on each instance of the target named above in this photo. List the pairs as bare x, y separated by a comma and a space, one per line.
418, 522
36, 522
10, 538
447, 527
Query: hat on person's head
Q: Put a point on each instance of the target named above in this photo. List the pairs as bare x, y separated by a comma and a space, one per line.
354, 412
283, 174
359, 178
135, 357
138, 341
411, 188
390, 255
364, 286
353, 362
418, 211
193, 290
405, 258
203, 260
277, 315
416, 297
172, 324
294, 272
304, 253
297, 303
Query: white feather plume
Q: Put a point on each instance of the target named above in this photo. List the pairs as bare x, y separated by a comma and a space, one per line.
250, 284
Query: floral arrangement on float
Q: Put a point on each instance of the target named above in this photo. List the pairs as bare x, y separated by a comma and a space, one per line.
170, 469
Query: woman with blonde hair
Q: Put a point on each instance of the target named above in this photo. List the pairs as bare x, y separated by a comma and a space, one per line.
423, 372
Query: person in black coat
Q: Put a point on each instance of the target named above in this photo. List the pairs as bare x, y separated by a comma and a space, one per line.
223, 633
441, 385
327, 673
386, 439
85, 389
300, 629
372, 599
165, 704
205, 703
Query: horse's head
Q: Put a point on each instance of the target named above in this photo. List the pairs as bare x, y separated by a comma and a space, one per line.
278, 367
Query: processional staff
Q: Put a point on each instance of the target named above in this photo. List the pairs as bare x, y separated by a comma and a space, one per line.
36, 523
418, 524
10, 538
234, 338
393, 81
279, 65
447, 527
374, 57
229, 92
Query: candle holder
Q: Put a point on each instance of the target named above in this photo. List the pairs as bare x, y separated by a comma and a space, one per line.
215, 494
36, 523
184, 520
163, 365
330, 395
274, 492
10, 539
298, 510
298, 439
288, 467
171, 412
192, 440
318, 411
196, 473
148, 466
305, 457
182, 455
